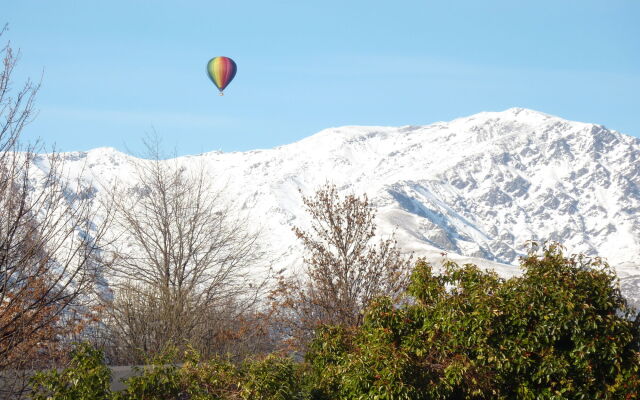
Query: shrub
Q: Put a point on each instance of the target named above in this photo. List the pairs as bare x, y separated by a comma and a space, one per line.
159, 379
215, 379
272, 378
86, 378
561, 330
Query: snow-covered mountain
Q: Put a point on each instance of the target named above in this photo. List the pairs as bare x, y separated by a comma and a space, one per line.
476, 188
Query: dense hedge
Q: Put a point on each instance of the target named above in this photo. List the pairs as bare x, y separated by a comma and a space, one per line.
561, 330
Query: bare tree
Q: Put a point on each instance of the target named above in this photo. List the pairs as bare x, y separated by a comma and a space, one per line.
184, 271
343, 270
49, 244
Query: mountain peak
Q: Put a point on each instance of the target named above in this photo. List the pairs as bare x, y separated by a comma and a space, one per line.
527, 111
476, 188
522, 115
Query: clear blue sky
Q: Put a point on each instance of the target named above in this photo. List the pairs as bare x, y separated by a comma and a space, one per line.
116, 70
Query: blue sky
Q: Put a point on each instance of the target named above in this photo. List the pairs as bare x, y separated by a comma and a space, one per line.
115, 71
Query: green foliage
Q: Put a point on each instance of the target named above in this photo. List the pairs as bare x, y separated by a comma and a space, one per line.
214, 379
273, 378
160, 379
325, 357
86, 378
561, 330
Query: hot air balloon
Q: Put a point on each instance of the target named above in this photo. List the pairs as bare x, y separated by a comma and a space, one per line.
221, 71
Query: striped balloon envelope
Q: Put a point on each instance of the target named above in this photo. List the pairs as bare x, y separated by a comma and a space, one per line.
221, 71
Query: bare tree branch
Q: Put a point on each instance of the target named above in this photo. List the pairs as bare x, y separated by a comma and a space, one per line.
343, 271
49, 243
189, 261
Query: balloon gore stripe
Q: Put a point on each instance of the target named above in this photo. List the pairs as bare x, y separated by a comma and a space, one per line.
221, 71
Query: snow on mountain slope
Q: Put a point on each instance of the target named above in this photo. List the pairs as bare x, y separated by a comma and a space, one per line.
476, 188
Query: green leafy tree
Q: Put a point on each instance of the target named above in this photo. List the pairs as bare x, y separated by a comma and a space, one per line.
561, 330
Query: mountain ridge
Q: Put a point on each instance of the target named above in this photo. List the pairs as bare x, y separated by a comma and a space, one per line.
476, 187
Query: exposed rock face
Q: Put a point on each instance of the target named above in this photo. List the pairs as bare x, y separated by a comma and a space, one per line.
475, 187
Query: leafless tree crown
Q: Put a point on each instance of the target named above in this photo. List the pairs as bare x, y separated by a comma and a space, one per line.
343, 269
184, 271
